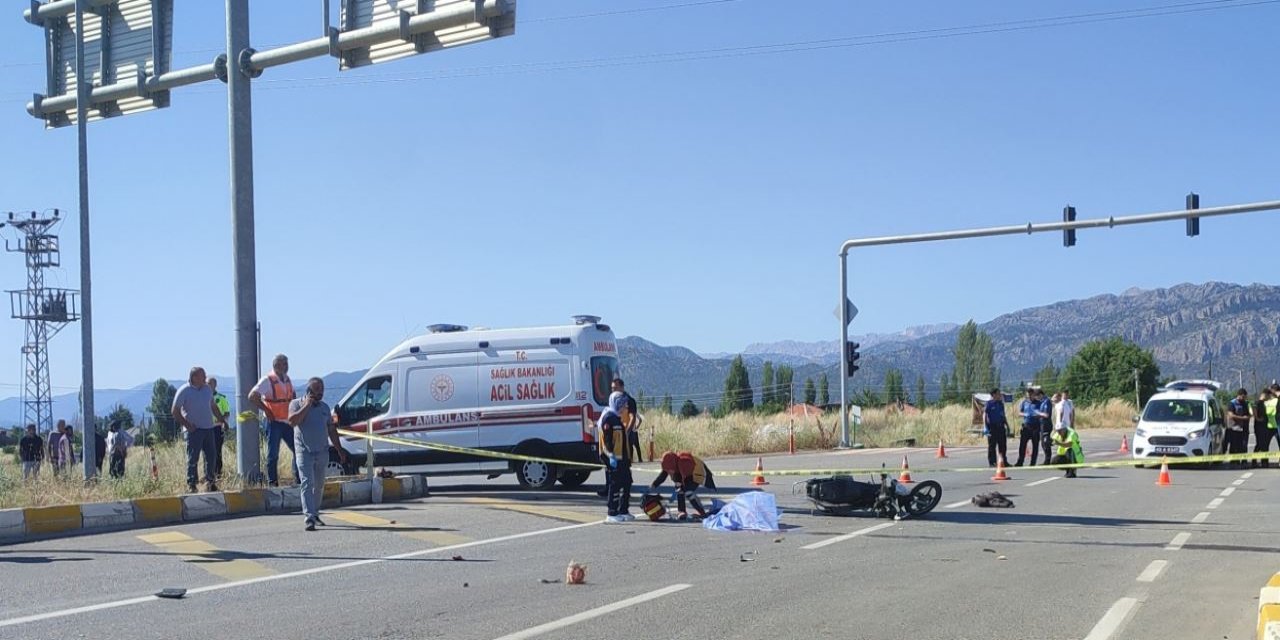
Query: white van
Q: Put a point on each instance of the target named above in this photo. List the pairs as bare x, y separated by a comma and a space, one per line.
535, 392
1182, 419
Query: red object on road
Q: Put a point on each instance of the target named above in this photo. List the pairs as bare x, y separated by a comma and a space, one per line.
1164, 480
1000, 471
1124, 444
942, 451
758, 480
905, 478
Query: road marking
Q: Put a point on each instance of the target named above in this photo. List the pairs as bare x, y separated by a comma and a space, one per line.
206, 556
1152, 571
282, 576
594, 613
957, 505
1200, 517
1228, 491
1247, 475
1039, 482
1238, 482
1113, 619
859, 532
1214, 503
554, 514
438, 538
1178, 541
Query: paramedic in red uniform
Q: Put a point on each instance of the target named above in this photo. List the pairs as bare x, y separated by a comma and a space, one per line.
272, 395
688, 472
615, 453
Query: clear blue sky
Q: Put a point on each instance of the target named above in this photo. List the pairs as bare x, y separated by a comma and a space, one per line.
697, 202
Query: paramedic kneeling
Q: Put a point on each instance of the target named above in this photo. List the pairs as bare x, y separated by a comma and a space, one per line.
1067, 447
688, 472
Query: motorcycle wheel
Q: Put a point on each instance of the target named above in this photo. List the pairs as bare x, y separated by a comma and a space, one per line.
924, 497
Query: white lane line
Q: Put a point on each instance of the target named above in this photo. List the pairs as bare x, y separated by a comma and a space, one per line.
1247, 475
281, 576
594, 613
1039, 482
1228, 491
1178, 541
1113, 619
1238, 482
1200, 517
859, 532
957, 505
1152, 571
1214, 503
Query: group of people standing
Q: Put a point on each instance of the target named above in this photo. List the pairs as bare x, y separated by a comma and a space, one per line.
1262, 414
1046, 421
60, 449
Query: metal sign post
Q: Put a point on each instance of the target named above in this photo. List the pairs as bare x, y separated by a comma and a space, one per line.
1028, 229
90, 426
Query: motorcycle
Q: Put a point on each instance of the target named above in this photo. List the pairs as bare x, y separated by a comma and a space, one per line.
842, 495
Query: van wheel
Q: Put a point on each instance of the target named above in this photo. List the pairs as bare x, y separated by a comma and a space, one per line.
536, 475
574, 479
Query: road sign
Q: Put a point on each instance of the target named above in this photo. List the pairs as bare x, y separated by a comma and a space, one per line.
125, 41
850, 312
360, 14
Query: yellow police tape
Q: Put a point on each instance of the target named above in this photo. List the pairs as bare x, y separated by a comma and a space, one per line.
435, 446
245, 416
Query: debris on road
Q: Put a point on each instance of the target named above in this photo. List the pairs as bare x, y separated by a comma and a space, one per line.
548, 581
171, 592
989, 550
576, 573
993, 499
742, 557
777, 540
458, 558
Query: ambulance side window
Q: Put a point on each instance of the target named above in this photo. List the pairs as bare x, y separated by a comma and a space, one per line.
603, 370
371, 399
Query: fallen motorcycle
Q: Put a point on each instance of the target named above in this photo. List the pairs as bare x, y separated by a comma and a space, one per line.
842, 495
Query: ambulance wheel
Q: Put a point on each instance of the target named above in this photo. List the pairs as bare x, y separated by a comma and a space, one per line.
535, 475
574, 479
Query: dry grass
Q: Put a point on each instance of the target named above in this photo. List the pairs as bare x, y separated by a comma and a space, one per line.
171, 461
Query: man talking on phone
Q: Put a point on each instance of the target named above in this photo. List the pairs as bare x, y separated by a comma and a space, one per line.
313, 433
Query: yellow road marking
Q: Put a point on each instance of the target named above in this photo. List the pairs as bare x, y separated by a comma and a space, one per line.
554, 514
437, 538
206, 556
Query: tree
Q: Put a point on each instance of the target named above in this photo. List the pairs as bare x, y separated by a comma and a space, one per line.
893, 388
666, 405
784, 383
946, 393
824, 390
919, 397
737, 389
768, 392
974, 368
810, 391
688, 409
161, 408
1103, 369
1048, 377
121, 413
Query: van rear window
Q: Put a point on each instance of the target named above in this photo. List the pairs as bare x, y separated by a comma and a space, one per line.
603, 370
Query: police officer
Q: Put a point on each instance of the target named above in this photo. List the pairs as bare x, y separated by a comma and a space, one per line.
1030, 410
1238, 426
996, 427
688, 472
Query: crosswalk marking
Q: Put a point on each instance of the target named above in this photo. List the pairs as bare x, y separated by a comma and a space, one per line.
554, 514
437, 538
206, 556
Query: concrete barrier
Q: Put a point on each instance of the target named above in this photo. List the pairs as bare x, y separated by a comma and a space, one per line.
157, 510
246, 501
332, 495
100, 515
202, 506
1269, 610
392, 489
356, 492
60, 519
284, 499
13, 525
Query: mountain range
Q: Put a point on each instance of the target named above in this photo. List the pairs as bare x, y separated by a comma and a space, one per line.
1227, 331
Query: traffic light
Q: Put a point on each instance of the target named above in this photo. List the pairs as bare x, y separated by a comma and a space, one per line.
851, 356
1193, 224
1069, 235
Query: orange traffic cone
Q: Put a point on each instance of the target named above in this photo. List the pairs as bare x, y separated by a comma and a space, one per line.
758, 480
1000, 471
1124, 444
1164, 480
942, 451
905, 478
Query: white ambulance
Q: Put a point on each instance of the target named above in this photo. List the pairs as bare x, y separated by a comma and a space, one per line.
535, 392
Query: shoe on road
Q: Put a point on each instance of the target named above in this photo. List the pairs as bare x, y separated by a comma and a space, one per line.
311, 525
614, 520
319, 521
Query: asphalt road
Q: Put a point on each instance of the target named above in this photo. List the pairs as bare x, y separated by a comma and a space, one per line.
1106, 555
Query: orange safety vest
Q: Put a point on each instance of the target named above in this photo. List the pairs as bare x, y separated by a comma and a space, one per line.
281, 395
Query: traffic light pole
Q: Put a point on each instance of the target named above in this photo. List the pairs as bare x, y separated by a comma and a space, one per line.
1029, 228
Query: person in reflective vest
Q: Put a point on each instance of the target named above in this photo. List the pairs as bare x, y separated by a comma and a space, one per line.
272, 395
220, 436
615, 454
1068, 451
1267, 433
688, 472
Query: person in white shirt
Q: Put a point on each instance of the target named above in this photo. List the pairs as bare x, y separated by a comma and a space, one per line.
1066, 411
118, 443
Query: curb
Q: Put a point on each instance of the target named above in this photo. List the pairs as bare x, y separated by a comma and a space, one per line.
1269, 610
35, 523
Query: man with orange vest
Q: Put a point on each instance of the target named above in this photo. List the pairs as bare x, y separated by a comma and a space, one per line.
272, 395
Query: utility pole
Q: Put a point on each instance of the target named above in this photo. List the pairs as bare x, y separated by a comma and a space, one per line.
45, 311
89, 425
1137, 392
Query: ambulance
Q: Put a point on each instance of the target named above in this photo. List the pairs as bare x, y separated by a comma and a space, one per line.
535, 391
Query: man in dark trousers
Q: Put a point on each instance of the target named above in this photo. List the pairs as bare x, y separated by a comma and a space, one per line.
996, 426
1259, 423
688, 472
615, 453
1030, 410
1238, 426
31, 452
